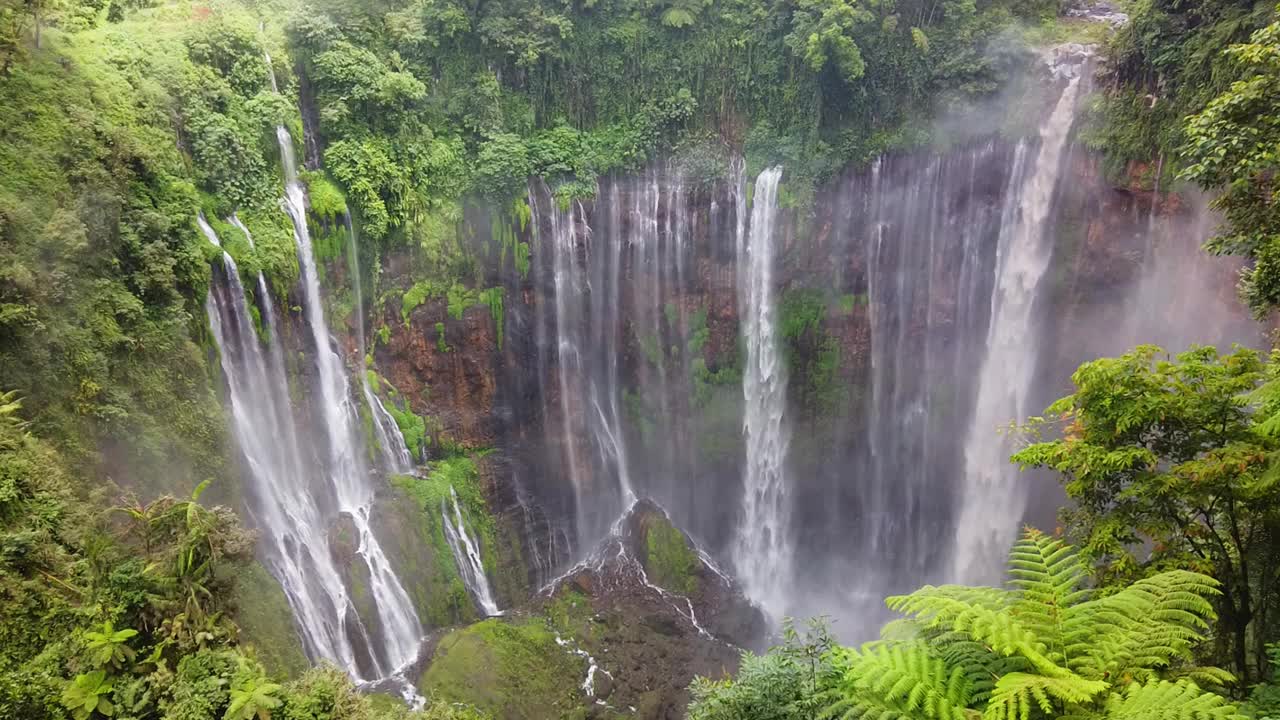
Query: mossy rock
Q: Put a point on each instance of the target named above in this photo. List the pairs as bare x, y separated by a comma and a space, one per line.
667, 555
266, 623
511, 668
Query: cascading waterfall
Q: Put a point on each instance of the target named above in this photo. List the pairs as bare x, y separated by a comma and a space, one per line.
762, 550
395, 455
349, 480
287, 513
616, 287
993, 502
466, 554
585, 321
937, 260
927, 226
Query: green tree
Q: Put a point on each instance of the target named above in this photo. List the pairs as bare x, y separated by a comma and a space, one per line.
1169, 463
782, 684
1233, 146
822, 33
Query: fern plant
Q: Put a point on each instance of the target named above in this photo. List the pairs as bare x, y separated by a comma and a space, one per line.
1041, 647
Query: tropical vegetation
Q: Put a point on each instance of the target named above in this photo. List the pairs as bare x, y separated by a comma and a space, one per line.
1044, 646
130, 589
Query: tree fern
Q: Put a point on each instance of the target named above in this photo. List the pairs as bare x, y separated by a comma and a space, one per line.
1163, 700
982, 613
1017, 694
1040, 648
1048, 577
1145, 626
980, 665
901, 680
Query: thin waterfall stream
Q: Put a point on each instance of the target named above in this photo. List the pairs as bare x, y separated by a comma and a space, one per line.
466, 553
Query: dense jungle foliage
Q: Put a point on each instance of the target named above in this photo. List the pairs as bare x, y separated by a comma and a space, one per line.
1190, 93
123, 595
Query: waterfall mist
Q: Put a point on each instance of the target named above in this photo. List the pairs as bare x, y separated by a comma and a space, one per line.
962, 288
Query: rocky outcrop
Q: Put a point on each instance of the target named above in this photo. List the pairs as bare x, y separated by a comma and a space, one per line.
653, 612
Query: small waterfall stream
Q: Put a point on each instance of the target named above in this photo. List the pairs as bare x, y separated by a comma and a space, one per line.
762, 550
466, 553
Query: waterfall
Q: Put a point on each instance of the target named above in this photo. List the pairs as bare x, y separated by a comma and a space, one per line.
347, 477
466, 554
586, 317
391, 446
925, 292
282, 506
993, 500
762, 550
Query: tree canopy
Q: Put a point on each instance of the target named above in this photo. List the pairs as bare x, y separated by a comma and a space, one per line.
1170, 462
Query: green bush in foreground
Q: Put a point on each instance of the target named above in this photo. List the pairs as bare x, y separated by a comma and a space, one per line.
1044, 646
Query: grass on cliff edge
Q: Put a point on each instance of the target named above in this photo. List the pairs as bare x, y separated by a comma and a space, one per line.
510, 668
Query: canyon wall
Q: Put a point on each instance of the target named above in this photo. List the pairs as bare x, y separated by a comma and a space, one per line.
616, 367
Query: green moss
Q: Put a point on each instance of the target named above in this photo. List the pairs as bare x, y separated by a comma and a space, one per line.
848, 302
327, 202
668, 560
494, 299
328, 243
569, 613
266, 622
801, 310
422, 291
274, 249
413, 427
651, 347
441, 345
511, 669
503, 230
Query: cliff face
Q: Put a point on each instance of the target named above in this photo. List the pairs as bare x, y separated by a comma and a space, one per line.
617, 365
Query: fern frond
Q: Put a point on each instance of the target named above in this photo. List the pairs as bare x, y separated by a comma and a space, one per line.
1163, 700
900, 629
984, 615
900, 680
980, 665
1016, 694
1205, 678
1143, 627
1048, 577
